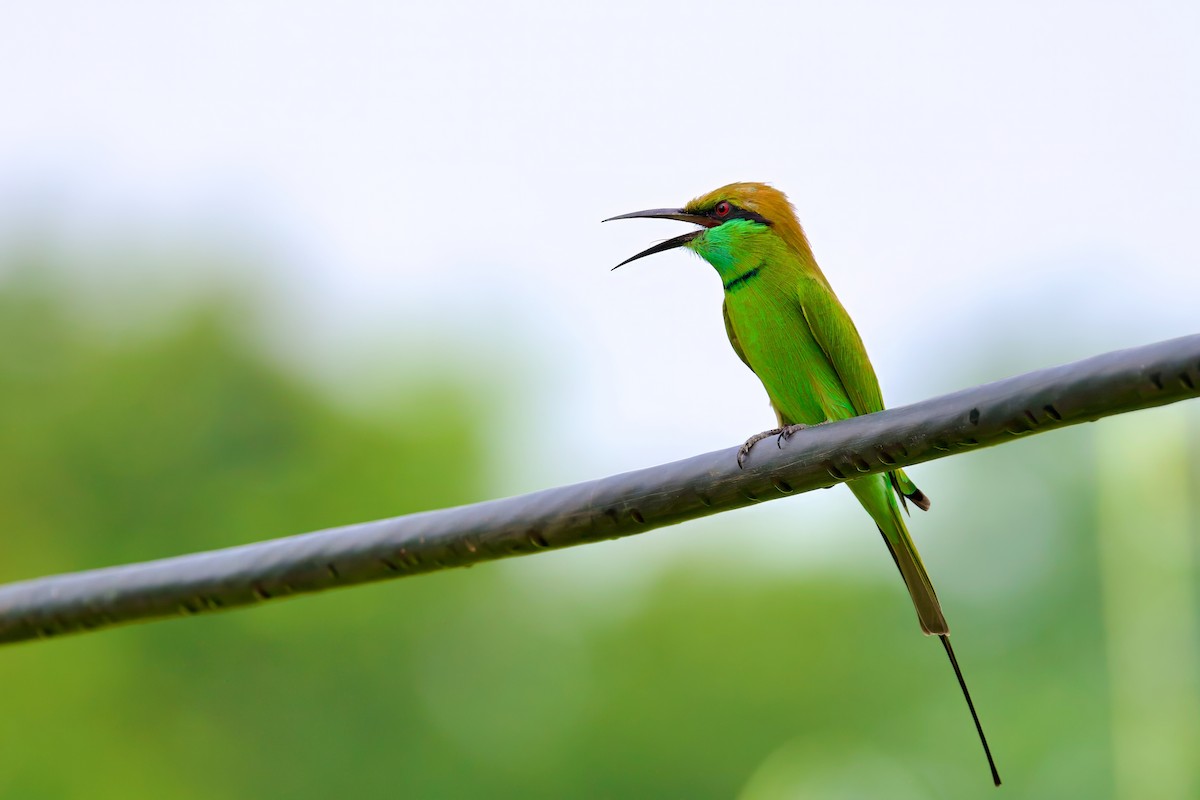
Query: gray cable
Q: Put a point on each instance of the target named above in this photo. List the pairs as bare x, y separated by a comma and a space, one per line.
607, 508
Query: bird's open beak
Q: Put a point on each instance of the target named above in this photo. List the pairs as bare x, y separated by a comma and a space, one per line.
669, 244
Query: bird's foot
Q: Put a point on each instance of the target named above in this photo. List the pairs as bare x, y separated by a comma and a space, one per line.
787, 432
783, 433
744, 450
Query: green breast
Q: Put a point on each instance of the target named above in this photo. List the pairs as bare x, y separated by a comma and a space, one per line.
761, 277
773, 334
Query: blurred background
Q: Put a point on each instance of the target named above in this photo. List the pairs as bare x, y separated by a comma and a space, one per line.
272, 267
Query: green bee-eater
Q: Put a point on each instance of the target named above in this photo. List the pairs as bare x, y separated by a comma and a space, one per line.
787, 325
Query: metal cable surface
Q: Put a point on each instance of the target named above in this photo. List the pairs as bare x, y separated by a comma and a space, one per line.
607, 508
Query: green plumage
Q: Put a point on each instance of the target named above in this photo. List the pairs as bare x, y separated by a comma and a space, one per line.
786, 324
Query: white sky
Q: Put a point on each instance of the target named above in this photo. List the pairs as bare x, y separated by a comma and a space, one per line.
968, 176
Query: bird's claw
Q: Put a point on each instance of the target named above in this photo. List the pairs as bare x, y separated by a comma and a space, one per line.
786, 432
744, 450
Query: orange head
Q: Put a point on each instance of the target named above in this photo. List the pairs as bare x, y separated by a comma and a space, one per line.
753, 202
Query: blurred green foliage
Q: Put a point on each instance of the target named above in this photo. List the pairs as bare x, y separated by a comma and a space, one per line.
717, 682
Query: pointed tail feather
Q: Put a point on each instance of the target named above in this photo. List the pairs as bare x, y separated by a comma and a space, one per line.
875, 494
929, 613
924, 598
987, 751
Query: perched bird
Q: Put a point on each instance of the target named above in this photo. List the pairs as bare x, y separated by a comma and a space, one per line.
787, 325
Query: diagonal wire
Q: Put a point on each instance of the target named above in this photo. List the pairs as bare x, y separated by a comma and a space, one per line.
608, 508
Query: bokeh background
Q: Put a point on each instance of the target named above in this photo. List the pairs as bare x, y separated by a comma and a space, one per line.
271, 267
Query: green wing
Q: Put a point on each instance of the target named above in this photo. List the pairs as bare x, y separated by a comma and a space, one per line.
834, 331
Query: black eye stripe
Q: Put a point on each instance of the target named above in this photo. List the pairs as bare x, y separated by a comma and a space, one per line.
739, 213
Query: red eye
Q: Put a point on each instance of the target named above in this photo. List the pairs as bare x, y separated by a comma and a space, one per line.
722, 209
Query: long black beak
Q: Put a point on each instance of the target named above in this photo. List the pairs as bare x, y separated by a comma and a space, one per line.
669, 244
